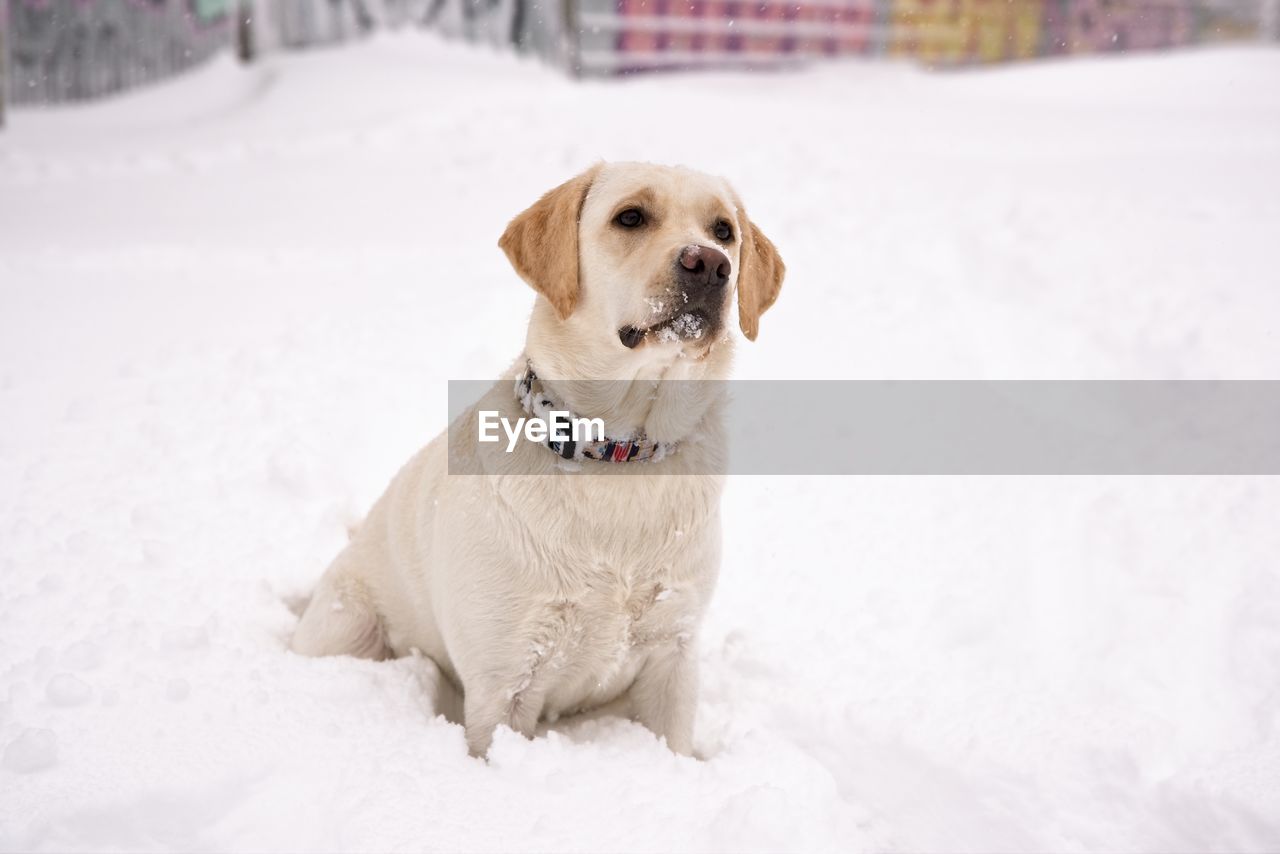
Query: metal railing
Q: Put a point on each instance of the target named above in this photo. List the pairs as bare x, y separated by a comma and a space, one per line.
4, 61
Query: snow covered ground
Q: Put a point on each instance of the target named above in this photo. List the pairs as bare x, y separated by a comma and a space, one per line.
228, 309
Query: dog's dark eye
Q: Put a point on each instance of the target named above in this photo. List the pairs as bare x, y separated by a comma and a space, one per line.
723, 231
630, 218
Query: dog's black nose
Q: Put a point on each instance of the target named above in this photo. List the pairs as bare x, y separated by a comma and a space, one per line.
702, 265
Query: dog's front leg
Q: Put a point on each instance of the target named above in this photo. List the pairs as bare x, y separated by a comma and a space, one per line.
514, 700
485, 711
510, 686
664, 696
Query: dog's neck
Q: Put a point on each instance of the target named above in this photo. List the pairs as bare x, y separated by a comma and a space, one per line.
664, 393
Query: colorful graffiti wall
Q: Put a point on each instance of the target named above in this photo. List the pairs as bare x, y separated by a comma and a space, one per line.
619, 36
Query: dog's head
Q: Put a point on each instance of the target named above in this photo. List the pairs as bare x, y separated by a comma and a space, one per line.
643, 259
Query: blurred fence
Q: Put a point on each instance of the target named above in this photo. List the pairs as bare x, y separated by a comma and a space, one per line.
528, 24
68, 50
293, 24
73, 50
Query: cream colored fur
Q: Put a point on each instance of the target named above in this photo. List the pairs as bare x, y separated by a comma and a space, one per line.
543, 595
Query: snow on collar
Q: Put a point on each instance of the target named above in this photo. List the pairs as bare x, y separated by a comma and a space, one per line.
539, 403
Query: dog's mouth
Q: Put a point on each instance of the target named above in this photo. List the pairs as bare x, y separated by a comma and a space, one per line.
693, 325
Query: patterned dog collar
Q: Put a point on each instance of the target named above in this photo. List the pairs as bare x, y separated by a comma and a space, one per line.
540, 404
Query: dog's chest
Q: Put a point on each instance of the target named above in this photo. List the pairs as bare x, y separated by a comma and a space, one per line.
595, 640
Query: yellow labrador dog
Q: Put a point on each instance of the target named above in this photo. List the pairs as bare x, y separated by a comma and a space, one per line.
538, 580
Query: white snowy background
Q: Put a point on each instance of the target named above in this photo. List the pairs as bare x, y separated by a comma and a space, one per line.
229, 306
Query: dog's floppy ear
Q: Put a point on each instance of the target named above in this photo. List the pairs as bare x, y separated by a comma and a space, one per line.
542, 242
760, 272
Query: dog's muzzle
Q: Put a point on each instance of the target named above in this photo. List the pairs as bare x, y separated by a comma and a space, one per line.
701, 279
